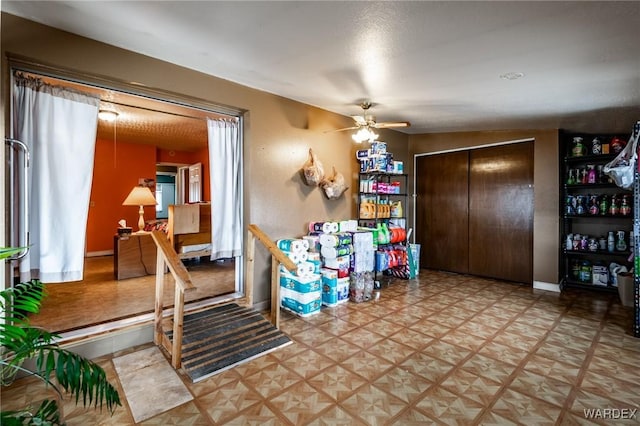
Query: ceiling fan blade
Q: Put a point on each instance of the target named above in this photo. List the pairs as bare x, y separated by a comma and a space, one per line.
342, 130
392, 124
360, 120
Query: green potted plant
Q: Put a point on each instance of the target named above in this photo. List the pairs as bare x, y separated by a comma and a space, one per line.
62, 370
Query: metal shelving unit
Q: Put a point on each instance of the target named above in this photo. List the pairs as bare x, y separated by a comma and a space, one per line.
595, 225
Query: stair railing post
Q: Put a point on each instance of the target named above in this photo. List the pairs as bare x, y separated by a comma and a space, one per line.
157, 321
178, 321
275, 292
248, 286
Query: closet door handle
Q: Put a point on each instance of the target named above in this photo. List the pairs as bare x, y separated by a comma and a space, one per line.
18, 191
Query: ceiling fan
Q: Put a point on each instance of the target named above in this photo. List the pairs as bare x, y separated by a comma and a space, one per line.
365, 123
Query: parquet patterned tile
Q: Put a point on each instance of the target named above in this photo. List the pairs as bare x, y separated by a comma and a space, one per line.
272, 380
362, 337
337, 349
225, 402
427, 367
413, 417
444, 349
185, 415
308, 363
336, 416
337, 382
568, 355
301, 403
557, 338
403, 384
611, 387
472, 386
492, 419
504, 353
337, 327
553, 368
258, 414
373, 405
411, 338
383, 327
212, 383
478, 329
391, 351
542, 387
516, 340
612, 367
430, 328
525, 410
367, 365
488, 367
448, 407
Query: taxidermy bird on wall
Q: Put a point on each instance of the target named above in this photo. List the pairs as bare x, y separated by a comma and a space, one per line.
312, 170
334, 186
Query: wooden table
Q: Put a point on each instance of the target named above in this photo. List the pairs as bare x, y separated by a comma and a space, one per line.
134, 256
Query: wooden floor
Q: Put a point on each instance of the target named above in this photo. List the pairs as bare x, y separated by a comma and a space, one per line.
99, 298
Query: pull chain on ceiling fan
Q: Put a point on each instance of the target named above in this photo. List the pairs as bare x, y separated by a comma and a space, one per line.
365, 123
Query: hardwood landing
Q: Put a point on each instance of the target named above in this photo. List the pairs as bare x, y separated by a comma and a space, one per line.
99, 298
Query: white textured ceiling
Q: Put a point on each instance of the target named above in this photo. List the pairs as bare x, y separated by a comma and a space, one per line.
435, 64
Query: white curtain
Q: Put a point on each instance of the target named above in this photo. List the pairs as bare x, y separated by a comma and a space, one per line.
59, 127
225, 154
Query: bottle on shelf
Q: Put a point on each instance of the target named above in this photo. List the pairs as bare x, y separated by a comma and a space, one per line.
578, 149
621, 244
591, 174
611, 242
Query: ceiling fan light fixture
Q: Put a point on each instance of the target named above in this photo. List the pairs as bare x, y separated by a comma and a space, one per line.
364, 134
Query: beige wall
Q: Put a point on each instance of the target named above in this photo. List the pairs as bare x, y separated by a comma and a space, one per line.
278, 131
278, 134
545, 177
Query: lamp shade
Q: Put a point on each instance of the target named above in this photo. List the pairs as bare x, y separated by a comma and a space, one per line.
140, 196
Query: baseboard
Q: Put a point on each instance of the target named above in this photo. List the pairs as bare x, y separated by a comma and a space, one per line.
111, 342
540, 285
99, 253
265, 305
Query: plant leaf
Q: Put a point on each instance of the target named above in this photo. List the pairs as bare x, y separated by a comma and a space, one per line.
6, 252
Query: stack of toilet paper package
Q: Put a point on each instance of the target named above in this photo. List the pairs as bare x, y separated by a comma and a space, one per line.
335, 264
300, 291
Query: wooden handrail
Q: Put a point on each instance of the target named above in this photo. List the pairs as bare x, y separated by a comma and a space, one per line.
180, 273
277, 257
273, 248
167, 257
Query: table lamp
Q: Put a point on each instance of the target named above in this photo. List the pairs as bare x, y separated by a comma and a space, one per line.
140, 196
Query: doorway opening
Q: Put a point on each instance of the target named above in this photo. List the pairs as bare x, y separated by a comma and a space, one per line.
162, 143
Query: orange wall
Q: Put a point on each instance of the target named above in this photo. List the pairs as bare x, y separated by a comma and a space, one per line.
114, 175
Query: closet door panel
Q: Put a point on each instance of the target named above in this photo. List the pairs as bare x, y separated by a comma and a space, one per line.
501, 212
442, 225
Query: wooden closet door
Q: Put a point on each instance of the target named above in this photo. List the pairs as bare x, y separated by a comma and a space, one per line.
442, 226
501, 212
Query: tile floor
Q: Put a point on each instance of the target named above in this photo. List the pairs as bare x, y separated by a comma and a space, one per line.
443, 349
